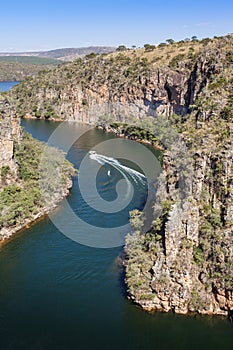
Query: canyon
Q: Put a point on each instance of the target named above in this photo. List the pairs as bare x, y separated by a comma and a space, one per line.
185, 262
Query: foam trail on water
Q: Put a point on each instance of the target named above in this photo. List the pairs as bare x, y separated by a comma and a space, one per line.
126, 172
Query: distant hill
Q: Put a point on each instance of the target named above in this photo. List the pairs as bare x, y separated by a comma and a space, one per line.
19, 65
35, 60
12, 71
64, 54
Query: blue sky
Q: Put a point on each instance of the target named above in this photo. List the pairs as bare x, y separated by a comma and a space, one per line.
47, 24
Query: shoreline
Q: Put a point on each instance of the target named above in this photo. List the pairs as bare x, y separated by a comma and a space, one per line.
108, 129
105, 128
152, 309
29, 116
56, 120
6, 234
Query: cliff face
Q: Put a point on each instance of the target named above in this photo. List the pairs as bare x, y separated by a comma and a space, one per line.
122, 85
21, 200
186, 261
161, 92
10, 132
187, 264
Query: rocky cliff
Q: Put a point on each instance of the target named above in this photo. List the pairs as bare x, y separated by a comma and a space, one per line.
132, 83
186, 261
10, 132
106, 92
21, 198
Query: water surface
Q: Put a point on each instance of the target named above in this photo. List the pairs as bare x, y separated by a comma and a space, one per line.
7, 85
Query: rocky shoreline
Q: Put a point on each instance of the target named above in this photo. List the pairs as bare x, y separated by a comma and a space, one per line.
154, 298
185, 263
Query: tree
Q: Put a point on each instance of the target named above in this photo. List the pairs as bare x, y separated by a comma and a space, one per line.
162, 44
194, 38
170, 41
121, 48
205, 41
149, 47
90, 55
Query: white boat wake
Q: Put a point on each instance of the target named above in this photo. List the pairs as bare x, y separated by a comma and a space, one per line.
129, 174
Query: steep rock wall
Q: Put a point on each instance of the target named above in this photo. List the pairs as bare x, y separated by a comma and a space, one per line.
10, 132
105, 90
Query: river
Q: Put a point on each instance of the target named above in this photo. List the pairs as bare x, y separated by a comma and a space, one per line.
7, 85
56, 294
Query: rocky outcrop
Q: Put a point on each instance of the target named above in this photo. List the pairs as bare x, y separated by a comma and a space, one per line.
162, 92
21, 201
9, 133
186, 261
186, 264
88, 90
121, 86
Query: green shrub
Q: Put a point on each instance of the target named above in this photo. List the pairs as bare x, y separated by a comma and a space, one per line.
149, 48
5, 171
198, 255
175, 61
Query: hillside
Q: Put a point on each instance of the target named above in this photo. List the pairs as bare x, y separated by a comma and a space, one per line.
185, 262
12, 71
30, 60
17, 68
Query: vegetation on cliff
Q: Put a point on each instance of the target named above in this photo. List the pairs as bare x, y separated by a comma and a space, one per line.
33, 176
136, 131
129, 83
186, 260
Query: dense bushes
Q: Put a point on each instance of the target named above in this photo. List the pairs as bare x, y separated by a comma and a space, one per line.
134, 132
